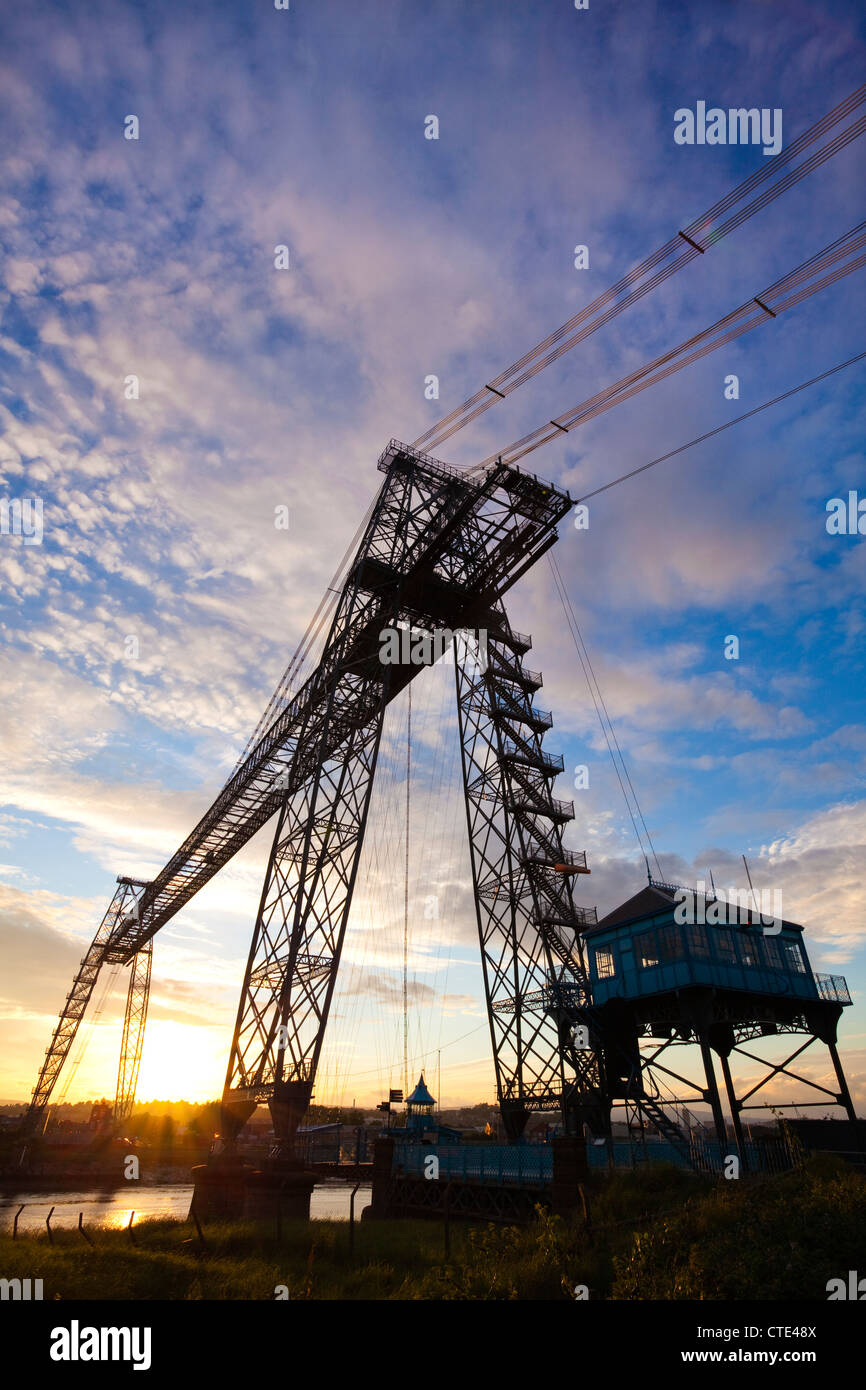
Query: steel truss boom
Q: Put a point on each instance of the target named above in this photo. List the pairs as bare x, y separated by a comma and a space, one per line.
256, 791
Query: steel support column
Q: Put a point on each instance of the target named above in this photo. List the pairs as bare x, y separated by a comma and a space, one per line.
132, 1040
534, 974
735, 1112
712, 1094
844, 1094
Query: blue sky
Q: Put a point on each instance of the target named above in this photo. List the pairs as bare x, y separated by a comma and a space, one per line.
261, 388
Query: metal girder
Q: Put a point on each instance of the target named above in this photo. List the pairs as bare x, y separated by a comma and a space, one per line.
415, 542
436, 554
122, 908
528, 923
302, 919
648, 1099
644, 1098
473, 1201
774, 1069
439, 550
132, 1041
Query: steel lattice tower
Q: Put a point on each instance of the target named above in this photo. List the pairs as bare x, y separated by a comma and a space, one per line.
439, 552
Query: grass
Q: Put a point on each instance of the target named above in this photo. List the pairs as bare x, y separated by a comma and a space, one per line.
780, 1239
660, 1234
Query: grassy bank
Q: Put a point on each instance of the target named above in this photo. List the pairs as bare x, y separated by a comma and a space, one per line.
660, 1234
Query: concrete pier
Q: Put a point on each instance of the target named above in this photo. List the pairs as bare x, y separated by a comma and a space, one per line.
230, 1190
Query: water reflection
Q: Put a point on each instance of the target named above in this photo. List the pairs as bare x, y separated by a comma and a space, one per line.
112, 1210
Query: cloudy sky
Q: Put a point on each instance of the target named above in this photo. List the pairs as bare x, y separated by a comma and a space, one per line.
262, 388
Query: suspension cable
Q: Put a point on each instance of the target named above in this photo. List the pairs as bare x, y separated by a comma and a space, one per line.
709, 434
696, 239
283, 691
769, 304
603, 714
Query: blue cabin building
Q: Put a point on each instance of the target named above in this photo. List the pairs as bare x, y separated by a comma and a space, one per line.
669, 939
677, 966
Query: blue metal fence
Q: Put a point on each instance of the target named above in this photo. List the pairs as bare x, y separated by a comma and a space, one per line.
531, 1165
525, 1165
708, 1154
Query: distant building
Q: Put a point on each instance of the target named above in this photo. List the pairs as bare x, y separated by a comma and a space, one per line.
420, 1126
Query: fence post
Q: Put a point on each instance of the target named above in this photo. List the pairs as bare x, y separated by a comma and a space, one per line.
48, 1227
352, 1220
132, 1239
194, 1214
15, 1222
383, 1159
82, 1230
587, 1213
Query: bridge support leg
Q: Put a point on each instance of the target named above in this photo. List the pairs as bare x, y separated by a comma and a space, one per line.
514, 1118
735, 1113
844, 1093
712, 1093
528, 923
132, 1040
234, 1113
288, 1106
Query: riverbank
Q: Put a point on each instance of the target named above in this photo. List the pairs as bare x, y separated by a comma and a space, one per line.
653, 1235
79, 1179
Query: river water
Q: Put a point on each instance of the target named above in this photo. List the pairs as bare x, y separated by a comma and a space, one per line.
329, 1202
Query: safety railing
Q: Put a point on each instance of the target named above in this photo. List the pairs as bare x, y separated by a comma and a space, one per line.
833, 987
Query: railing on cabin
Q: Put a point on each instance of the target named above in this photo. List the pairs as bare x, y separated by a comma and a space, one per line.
833, 987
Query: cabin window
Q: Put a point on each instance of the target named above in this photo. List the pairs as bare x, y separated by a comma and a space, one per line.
726, 949
669, 943
604, 962
793, 958
696, 938
646, 949
772, 954
748, 949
